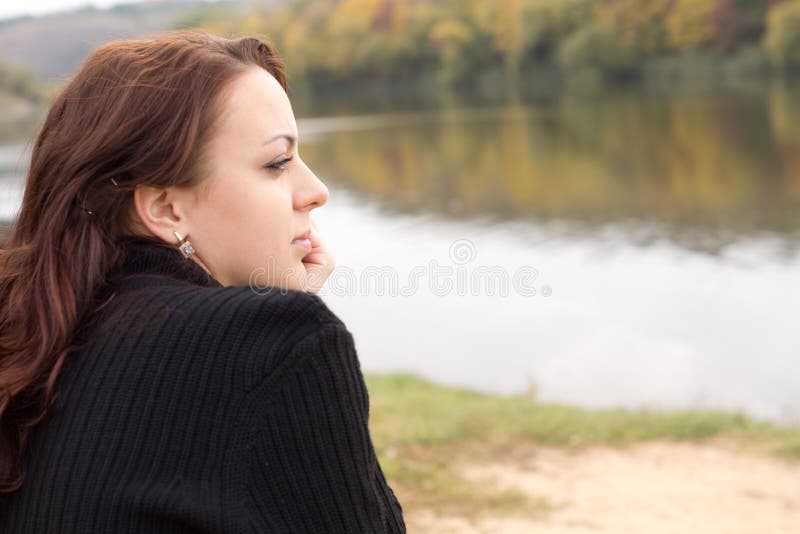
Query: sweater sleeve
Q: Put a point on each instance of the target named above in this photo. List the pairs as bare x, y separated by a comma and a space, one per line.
311, 466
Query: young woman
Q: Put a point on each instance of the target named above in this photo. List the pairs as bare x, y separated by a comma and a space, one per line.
165, 362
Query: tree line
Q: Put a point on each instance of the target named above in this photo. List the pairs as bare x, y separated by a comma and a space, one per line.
455, 41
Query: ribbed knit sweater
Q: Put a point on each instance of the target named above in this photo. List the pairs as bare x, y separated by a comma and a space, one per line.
194, 407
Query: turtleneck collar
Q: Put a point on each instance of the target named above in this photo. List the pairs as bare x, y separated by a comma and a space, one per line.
146, 257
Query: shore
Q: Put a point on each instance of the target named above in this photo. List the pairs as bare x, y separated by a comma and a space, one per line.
651, 488
466, 462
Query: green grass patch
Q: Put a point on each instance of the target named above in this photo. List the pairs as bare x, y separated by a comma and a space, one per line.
421, 430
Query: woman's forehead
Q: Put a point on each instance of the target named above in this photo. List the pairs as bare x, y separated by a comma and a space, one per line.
257, 107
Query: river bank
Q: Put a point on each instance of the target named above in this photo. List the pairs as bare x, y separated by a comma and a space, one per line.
461, 461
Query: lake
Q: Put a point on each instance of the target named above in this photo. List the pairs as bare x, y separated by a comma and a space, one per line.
619, 249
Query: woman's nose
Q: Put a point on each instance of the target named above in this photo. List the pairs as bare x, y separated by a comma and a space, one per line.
311, 192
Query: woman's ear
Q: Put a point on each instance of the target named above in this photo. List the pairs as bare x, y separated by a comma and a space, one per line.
160, 211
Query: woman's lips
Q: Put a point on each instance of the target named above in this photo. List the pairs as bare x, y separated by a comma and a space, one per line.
304, 243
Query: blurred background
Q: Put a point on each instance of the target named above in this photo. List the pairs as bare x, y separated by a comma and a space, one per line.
610, 187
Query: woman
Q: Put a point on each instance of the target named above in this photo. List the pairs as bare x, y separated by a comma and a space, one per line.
166, 364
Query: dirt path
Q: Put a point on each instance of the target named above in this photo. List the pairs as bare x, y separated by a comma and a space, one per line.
655, 488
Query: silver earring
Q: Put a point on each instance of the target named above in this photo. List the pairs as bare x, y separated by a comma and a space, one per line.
184, 245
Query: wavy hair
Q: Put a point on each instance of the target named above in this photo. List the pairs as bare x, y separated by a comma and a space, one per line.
139, 111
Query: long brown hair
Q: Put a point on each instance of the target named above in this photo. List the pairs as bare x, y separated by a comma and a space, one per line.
138, 111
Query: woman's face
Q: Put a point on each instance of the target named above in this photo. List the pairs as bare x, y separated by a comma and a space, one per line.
257, 195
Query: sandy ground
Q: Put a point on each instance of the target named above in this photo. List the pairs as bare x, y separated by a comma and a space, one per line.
654, 488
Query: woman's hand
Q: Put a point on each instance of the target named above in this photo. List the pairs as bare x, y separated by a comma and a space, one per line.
319, 263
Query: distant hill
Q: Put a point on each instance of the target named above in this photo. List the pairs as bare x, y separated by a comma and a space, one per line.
53, 46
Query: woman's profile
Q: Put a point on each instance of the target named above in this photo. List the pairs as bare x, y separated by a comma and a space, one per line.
166, 364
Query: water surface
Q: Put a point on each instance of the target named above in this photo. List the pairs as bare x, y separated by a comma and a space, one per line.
653, 237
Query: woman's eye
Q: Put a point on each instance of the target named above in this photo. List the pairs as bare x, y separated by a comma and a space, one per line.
278, 165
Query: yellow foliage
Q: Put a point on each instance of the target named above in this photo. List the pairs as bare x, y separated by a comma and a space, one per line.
388, 16
688, 24
368, 38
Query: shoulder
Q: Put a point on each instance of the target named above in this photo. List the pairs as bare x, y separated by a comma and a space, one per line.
187, 305
263, 330
251, 332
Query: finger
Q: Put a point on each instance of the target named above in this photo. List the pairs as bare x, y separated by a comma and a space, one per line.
317, 244
317, 258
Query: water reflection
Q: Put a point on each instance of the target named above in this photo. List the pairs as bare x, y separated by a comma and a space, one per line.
702, 169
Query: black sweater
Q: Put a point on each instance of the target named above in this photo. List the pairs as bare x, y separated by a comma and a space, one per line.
193, 407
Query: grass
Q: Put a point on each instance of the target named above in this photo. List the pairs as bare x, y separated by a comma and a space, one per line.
422, 431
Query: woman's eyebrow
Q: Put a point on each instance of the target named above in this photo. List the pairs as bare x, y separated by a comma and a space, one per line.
292, 139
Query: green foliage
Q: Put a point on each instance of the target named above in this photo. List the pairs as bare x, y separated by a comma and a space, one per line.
596, 46
22, 83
